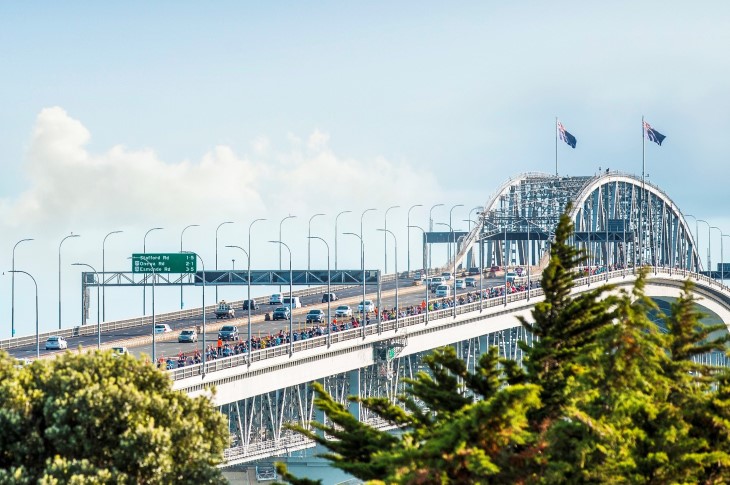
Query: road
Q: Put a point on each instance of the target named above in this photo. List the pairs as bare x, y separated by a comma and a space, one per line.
167, 344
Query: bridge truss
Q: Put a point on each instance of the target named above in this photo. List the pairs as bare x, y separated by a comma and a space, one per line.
619, 222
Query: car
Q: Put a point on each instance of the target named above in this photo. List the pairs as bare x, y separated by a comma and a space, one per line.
434, 282
250, 303
418, 276
343, 311
510, 277
55, 342
446, 275
187, 336
459, 284
443, 291
470, 282
316, 315
162, 328
329, 297
473, 271
228, 332
275, 299
119, 351
281, 313
369, 306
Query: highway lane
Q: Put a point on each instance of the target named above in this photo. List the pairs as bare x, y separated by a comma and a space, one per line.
88, 341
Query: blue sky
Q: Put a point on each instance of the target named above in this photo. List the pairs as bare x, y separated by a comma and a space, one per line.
139, 114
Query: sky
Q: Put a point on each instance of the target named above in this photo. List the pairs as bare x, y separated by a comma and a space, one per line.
133, 115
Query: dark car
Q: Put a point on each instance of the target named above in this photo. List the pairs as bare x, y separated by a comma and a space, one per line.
281, 313
473, 271
251, 303
315, 316
228, 332
329, 297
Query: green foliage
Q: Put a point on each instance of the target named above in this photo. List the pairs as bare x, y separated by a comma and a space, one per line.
95, 418
602, 396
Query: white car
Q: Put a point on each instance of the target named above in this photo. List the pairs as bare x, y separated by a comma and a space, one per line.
119, 351
369, 306
276, 299
56, 343
343, 311
460, 284
162, 328
446, 276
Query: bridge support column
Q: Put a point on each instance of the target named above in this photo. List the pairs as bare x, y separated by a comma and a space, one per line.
354, 378
319, 414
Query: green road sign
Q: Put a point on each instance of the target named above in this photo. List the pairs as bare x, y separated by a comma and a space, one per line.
164, 263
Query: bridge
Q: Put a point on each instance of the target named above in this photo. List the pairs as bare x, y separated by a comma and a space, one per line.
621, 222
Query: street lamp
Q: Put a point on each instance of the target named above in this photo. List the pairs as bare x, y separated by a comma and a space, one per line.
477, 208
453, 275
385, 240
362, 262
408, 235
280, 238
709, 246
720, 231
154, 319
98, 320
37, 333
103, 271
450, 224
722, 263
425, 239
181, 250
144, 288
430, 229
216, 253
291, 299
248, 302
337, 217
12, 291
309, 245
249, 286
59, 276
697, 237
395, 244
202, 264
329, 294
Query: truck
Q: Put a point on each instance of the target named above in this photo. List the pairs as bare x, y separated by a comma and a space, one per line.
224, 310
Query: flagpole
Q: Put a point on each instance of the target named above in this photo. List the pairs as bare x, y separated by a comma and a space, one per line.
556, 146
643, 192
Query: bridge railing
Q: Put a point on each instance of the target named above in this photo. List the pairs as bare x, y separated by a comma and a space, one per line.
405, 322
91, 329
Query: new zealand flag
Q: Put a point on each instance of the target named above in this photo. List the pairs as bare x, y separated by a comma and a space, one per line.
565, 136
652, 134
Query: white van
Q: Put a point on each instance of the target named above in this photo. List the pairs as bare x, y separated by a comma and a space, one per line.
443, 291
292, 303
435, 282
275, 299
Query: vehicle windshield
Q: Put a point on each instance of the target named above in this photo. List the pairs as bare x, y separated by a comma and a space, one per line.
187, 332
281, 309
343, 307
162, 325
315, 311
227, 328
53, 339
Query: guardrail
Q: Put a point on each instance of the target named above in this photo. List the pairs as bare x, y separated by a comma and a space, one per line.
405, 322
91, 329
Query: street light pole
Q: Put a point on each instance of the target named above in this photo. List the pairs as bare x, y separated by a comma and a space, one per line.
329, 300
181, 250
477, 208
362, 262
37, 332
722, 257
337, 217
248, 302
216, 253
697, 247
385, 240
280, 238
103, 271
154, 319
202, 264
452, 236
12, 291
59, 276
408, 235
309, 244
720, 231
144, 288
98, 320
430, 229
453, 275
425, 239
709, 246
395, 245
248, 283
291, 300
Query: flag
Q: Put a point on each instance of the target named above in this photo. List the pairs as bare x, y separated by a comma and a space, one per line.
653, 135
565, 136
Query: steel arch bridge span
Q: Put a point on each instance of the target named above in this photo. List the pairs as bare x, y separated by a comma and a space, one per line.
619, 222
